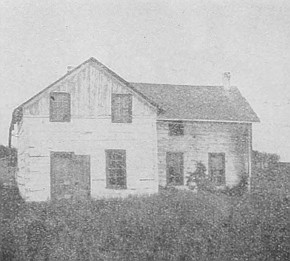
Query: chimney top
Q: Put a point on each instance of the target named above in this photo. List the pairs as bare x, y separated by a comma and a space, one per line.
227, 80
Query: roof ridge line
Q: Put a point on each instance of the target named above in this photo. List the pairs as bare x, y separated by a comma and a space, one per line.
184, 85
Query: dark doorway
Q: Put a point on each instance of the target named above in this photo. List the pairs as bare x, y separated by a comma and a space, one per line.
174, 168
70, 175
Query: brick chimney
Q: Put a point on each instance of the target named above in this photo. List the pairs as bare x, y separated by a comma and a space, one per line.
227, 80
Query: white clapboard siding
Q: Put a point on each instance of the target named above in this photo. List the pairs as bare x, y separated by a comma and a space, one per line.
201, 138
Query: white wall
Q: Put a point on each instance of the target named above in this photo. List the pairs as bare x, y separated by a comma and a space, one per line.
93, 137
90, 132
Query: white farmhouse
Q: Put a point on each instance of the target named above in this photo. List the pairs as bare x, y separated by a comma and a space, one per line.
91, 133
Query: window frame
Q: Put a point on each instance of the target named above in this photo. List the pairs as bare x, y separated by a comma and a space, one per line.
108, 153
52, 115
213, 177
121, 118
173, 132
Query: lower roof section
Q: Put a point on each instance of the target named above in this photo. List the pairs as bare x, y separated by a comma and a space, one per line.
198, 103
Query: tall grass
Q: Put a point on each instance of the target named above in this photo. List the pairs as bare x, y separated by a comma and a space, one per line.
173, 225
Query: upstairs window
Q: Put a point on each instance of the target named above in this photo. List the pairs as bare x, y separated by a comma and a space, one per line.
116, 169
121, 108
59, 107
176, 128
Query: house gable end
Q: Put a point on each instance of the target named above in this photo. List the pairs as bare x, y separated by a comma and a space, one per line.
90, 86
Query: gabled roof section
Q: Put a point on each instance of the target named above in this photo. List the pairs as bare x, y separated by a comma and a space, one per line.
180, 102
104, 68
204, 103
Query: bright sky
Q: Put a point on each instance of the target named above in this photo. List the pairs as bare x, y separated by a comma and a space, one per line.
181, 42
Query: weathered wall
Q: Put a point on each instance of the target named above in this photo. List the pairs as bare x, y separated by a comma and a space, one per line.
20, 140
201, 138
90, 89
90, 132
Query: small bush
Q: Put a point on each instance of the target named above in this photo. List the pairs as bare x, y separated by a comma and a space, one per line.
198, 179
239, 189
198, 175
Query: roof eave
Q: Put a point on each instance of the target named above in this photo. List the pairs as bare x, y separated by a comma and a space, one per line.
210, 120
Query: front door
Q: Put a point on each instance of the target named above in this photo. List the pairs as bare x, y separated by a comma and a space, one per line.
70, 175
174, 168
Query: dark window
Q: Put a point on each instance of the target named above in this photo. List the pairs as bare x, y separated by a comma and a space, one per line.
176, 128
60, 107
121, 108
216, 168
116, 169
174, 168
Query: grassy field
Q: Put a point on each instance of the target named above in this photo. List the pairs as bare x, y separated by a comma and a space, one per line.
173, 225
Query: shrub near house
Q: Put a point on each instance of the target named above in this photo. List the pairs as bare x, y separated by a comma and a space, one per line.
199, 181
269, 175
8, 162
